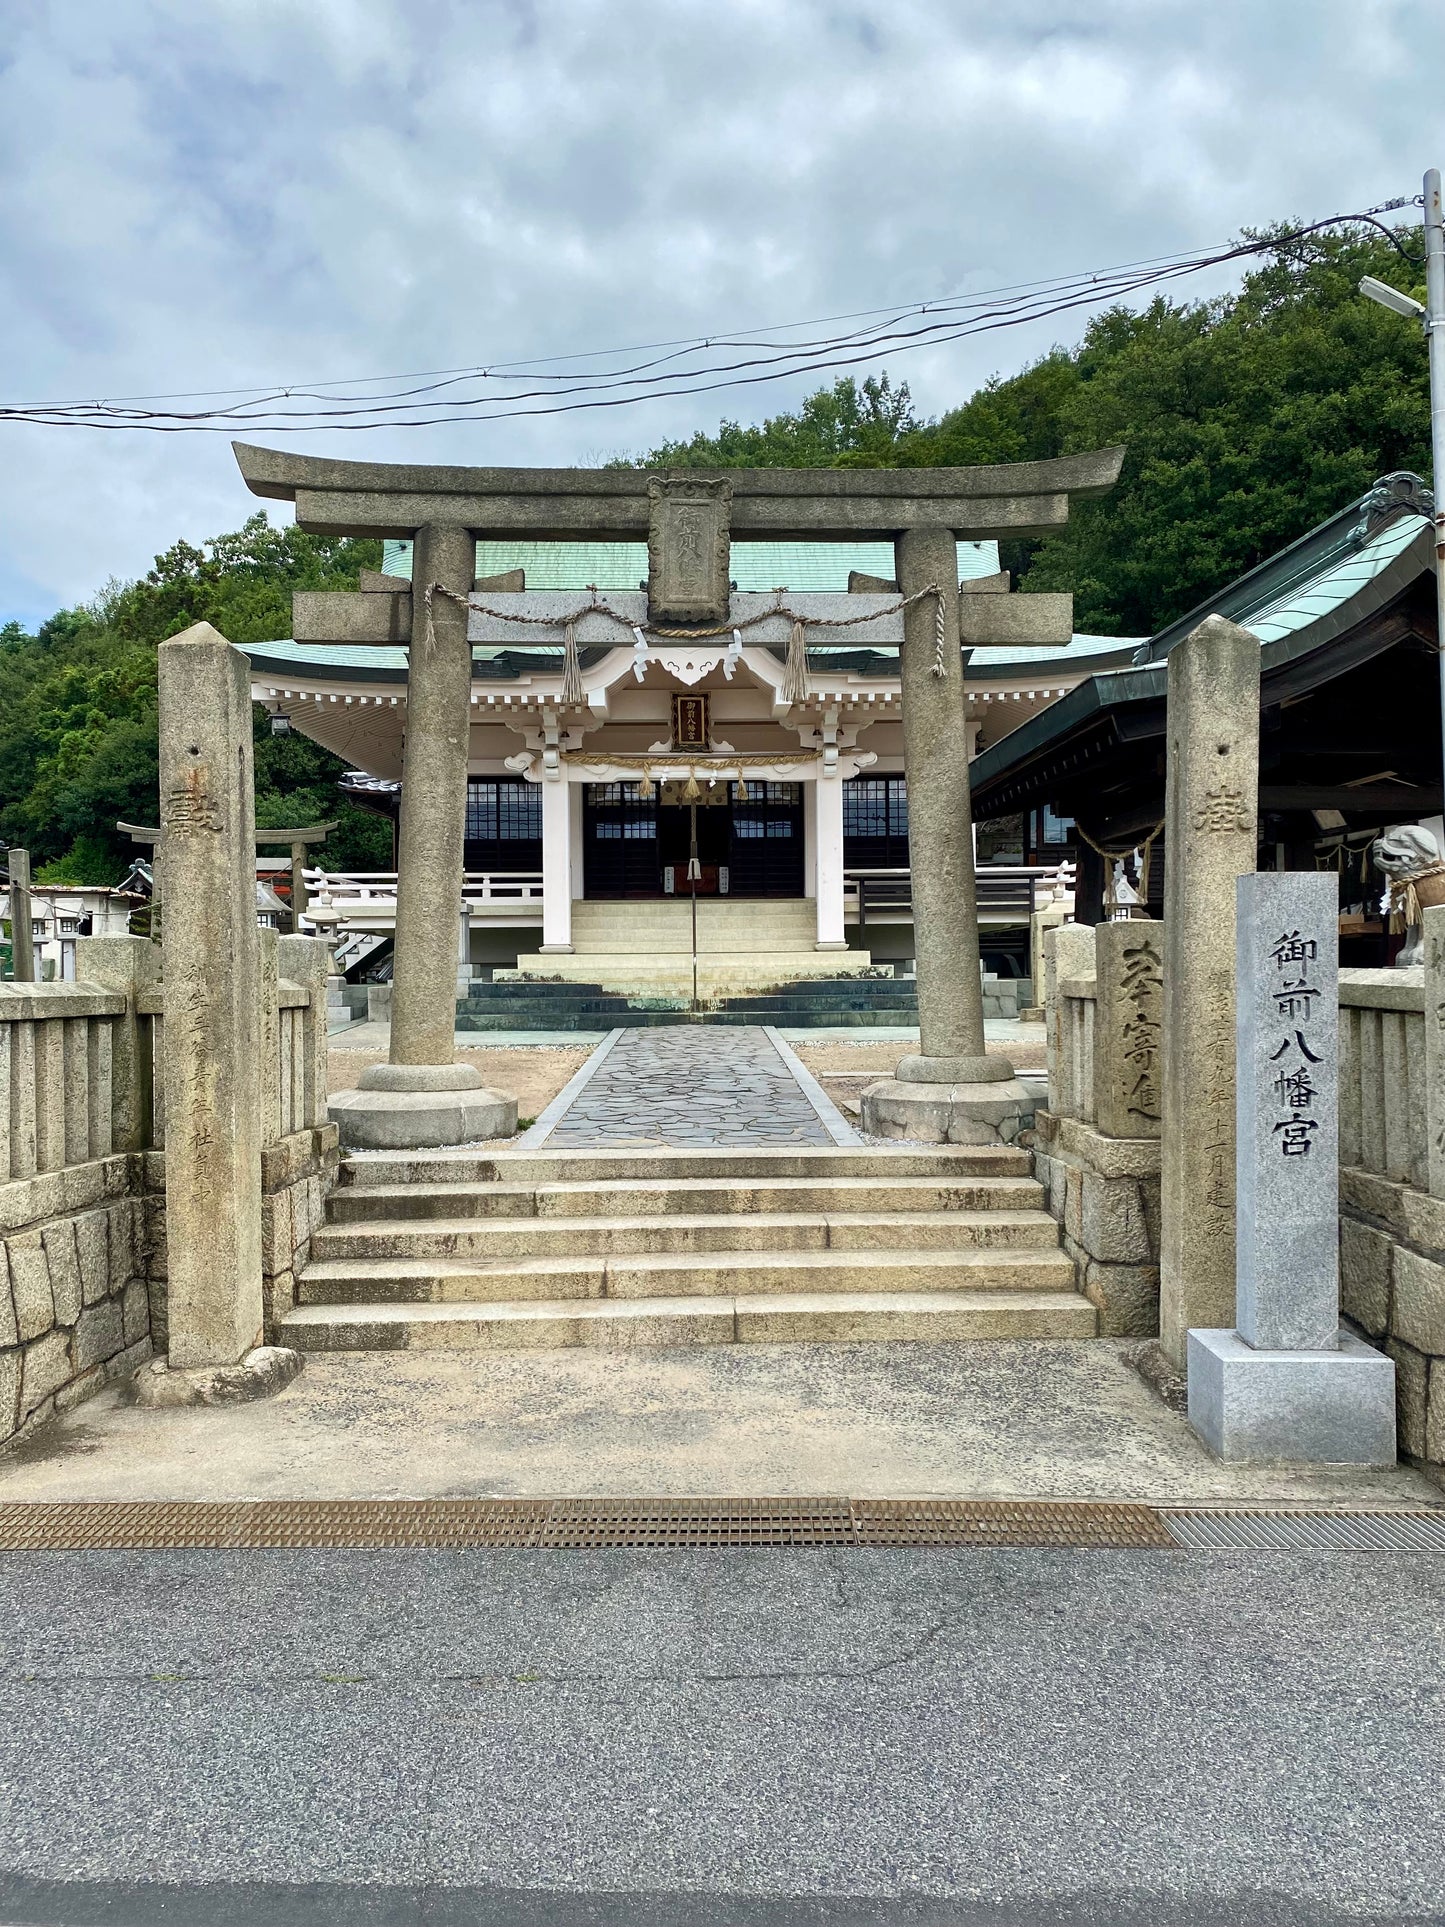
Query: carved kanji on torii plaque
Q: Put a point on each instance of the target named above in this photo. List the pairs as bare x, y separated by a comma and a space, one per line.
687, 548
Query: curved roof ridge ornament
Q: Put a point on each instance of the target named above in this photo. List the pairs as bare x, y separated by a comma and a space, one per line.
1401, 492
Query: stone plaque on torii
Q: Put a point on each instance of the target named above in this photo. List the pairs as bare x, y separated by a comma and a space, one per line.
950, 1090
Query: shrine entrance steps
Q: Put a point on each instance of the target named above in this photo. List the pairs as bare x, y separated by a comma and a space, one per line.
675, 1247
644, 948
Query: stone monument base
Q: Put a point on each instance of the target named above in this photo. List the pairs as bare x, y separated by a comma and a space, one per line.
415, 1107
264, 1371
954, 1113
1303, 1408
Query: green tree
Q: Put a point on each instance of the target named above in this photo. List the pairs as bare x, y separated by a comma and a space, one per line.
1247, 420
78, 703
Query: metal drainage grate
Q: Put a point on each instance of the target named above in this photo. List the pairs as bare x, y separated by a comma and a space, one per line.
363, 1524
1307, 1531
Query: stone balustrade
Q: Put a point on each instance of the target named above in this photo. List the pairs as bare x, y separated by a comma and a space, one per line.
1383, 1075
83, 1272
1103, 1179
56, 1071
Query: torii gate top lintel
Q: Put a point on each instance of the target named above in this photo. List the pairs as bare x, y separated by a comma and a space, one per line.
336, 497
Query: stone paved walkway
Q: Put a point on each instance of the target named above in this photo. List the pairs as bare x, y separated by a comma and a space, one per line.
694, 1085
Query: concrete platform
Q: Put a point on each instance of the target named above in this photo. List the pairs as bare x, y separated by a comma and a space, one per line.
987, 1419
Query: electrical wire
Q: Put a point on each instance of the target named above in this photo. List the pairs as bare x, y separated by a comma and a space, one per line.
656, 371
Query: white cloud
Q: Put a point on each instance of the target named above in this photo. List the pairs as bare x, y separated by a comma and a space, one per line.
215, 192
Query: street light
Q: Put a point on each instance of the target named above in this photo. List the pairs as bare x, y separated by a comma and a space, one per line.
1432, 315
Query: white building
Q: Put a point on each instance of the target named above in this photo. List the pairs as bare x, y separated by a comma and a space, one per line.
790, 824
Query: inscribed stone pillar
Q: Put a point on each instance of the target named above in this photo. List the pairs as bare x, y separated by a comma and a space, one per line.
1128, 1028
433, 803
209, 951
1211, 810
1287, 1081
1286, 1383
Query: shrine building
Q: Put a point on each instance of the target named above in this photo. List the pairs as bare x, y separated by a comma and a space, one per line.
793, 816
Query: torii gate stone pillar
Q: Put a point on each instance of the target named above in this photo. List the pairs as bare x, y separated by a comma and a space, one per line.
423, 1097
950, 1090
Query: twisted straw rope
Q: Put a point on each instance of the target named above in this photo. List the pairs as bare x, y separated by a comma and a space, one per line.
597, 606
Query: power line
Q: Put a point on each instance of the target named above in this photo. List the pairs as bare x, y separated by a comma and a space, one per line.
296, 408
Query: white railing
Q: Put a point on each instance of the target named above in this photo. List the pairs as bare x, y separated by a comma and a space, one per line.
1011, 891
352, 891
55, 1075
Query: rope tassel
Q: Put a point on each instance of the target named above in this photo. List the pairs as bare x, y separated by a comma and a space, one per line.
572, 690
795, 672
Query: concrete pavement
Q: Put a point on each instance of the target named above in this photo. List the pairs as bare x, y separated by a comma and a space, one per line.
1019, 1418
722, 1737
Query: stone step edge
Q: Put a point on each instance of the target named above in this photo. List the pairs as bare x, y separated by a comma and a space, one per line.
721, 1306
555, 1165
1002, 1219
444, 1265
688, 1186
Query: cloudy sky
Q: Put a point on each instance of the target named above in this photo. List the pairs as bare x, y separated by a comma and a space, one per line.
201, 193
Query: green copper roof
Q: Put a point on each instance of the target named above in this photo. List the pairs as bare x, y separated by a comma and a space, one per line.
755, 565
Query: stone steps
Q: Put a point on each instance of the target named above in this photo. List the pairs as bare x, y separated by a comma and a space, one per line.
772, 1318
688, 1197
646, 1013
676, 1247
952, 1162
657, 969
495, 1239
678, 1274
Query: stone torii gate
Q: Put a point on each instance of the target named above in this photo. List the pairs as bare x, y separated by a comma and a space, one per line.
950, 1090
145, 833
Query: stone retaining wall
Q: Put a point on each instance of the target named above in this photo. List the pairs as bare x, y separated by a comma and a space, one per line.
1104, 1191
296, 1175
1392, 1285
74, 1311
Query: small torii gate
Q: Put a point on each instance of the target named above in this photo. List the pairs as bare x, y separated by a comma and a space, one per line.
298, 840
950, 1088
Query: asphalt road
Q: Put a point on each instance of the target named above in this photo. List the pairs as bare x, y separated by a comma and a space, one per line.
756, 1737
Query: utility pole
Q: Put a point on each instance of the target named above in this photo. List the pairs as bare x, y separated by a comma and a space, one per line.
1432, 317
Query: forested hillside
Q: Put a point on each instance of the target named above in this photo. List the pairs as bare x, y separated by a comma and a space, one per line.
78, 703
1247, 420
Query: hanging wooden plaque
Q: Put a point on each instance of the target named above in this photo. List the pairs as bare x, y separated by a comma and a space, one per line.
690, 722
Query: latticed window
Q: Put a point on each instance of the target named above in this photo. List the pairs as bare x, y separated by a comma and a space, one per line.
875, 822
504, 812
875, 806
